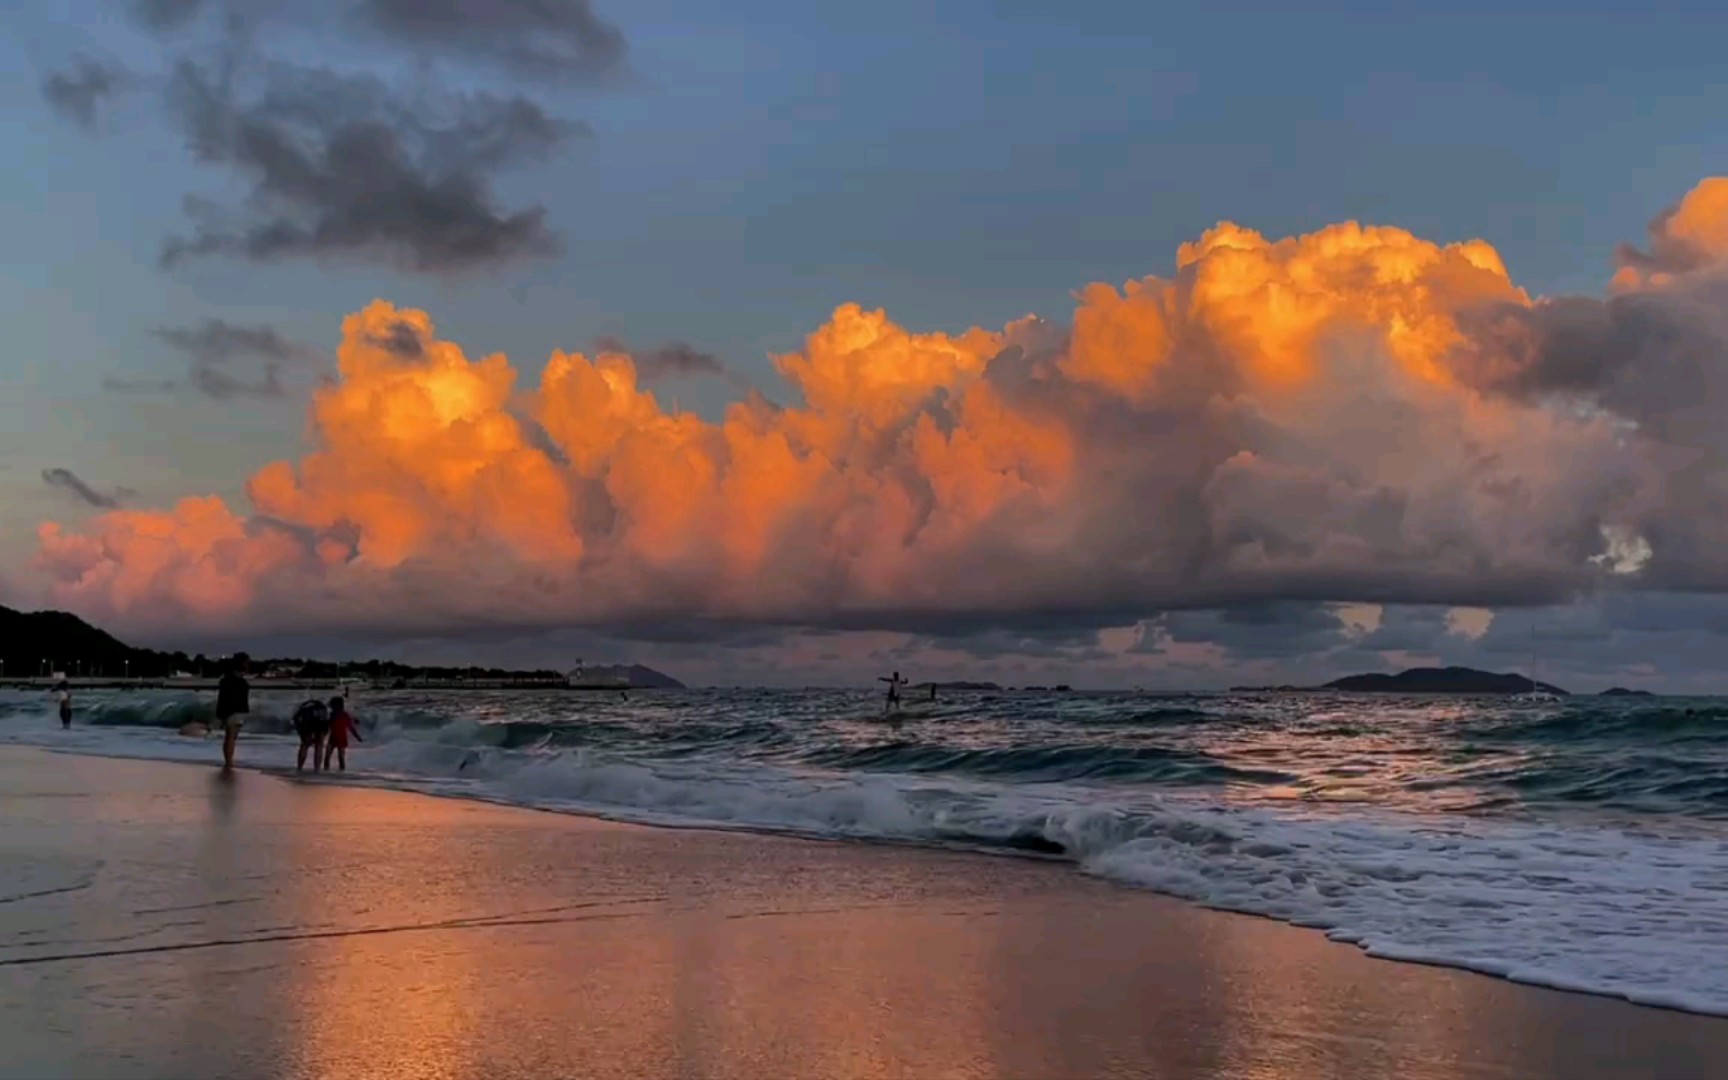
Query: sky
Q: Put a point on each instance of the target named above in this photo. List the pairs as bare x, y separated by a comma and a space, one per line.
1103, 343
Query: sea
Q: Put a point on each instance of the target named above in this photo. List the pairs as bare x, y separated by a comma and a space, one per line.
1579, 844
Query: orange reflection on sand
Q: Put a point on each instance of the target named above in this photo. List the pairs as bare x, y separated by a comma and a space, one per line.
435, 1003
829, 990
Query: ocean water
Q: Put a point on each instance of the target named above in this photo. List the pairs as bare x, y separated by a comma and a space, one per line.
1580, 845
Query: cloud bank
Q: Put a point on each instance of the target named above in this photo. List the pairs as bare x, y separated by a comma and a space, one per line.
1354, 416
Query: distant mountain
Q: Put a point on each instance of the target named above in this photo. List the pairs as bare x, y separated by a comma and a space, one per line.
635, 676
1621, 691
1450, 680
44, 642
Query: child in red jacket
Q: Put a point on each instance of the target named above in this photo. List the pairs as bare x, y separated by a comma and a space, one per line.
341, 726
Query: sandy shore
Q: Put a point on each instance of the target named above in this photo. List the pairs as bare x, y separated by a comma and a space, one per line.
164, 921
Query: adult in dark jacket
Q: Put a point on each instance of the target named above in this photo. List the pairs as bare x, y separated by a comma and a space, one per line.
233, 702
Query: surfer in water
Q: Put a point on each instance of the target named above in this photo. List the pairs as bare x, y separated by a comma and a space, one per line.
895, 682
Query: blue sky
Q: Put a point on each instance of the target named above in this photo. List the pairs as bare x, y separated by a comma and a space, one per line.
763, 163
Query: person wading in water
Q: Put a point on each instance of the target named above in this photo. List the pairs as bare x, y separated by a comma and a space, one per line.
233, 702
895, 682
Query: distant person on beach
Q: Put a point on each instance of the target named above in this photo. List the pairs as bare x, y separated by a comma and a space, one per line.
341, 726
895, 682
233, 702
312, 724
63, 696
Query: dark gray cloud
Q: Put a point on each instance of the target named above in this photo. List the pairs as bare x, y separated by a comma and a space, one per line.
1274, 629
79, 91
166, 14
342, 166
68, 481
539, 39
215, 349
536, 38
403, 340
217, 341
673, 360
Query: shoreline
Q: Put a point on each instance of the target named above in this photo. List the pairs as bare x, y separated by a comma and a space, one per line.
257, 927
360, 780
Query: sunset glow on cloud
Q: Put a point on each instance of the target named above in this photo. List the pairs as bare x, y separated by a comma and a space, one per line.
1357, 415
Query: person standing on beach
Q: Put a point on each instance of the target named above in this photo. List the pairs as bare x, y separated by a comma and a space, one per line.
233, 702
63, 696
341, 726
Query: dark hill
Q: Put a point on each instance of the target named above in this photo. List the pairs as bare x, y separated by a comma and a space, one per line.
43, 642
1621, 691
1451, 680
637, 676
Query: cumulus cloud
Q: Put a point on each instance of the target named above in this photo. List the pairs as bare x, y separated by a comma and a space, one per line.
1650, 358
215, 349
1307, 421
1690, 235
346, 165
68, 481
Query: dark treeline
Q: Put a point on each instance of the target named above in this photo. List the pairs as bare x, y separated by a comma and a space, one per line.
43, 642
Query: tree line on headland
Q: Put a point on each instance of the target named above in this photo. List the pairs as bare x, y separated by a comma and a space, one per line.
42, 643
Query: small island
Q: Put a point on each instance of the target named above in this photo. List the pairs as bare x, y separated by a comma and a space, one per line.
1621, 691
1447, 680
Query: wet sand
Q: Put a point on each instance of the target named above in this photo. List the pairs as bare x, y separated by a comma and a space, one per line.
166, 921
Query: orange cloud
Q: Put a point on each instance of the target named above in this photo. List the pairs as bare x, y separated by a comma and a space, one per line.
1279, 417
1688, 236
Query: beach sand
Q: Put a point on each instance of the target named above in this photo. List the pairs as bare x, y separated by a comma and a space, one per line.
187, 924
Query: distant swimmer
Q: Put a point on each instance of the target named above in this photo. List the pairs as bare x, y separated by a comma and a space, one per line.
233, 702
63, 696
311, 723
895, 682
341, 726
